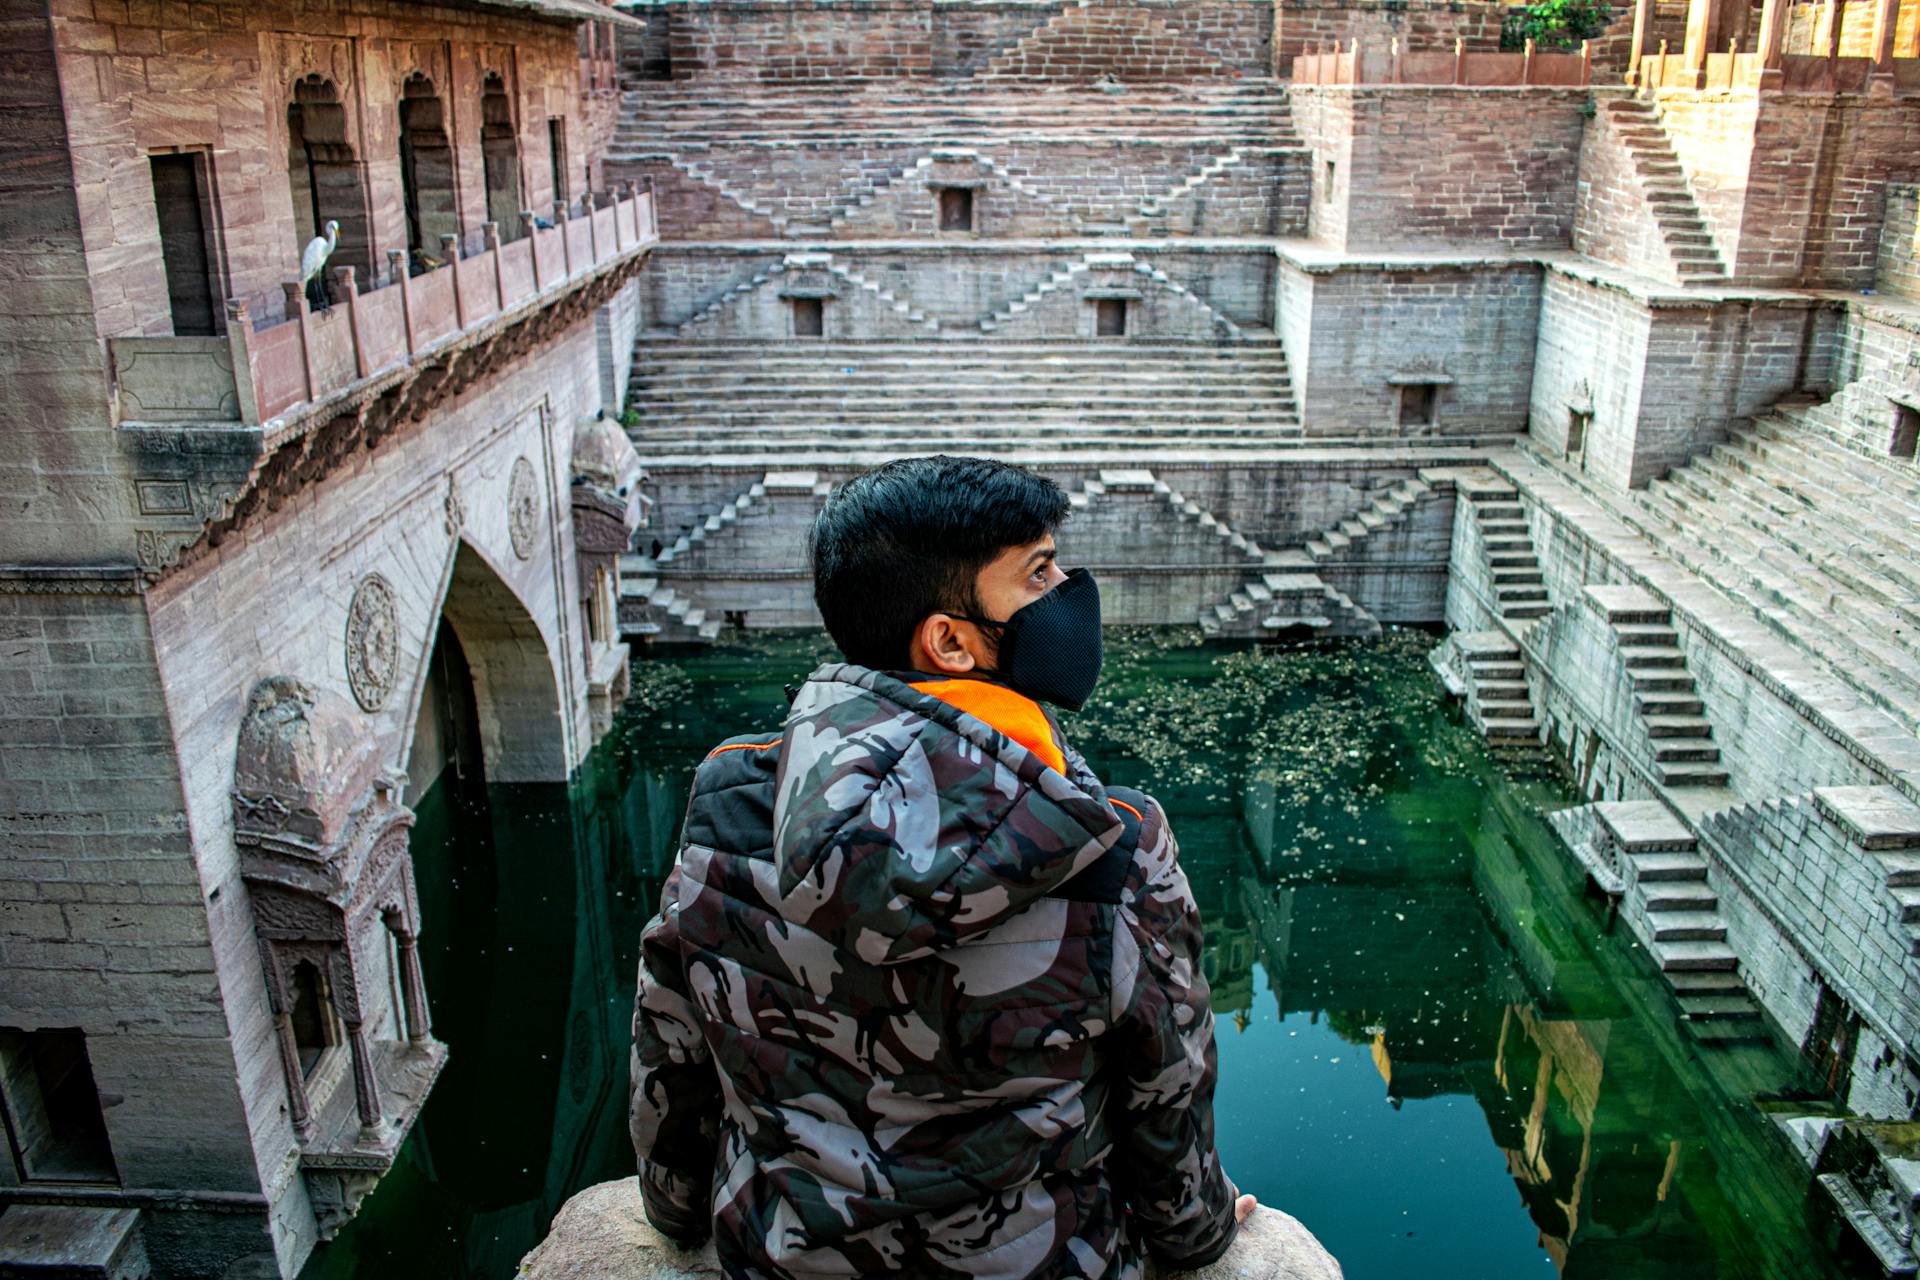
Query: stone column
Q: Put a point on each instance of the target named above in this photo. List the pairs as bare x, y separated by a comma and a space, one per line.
413, 986
1886, 16
1773, 41
297, 1103
1642, 19
366, 1084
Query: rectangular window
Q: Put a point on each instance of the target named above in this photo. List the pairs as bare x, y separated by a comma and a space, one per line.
809, 318
1578, 423
1110, 318
53, 1115
1906, 431
557, 156
1418, 403
956, 208
1326, 191
180, 204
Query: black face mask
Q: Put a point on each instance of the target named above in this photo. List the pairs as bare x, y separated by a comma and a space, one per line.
1050, 650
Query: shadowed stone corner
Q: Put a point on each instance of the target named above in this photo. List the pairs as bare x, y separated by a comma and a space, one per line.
602, 1234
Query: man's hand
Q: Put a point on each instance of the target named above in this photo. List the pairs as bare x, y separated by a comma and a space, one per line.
1243, 1208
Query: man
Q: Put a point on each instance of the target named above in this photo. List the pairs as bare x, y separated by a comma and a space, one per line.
923, 996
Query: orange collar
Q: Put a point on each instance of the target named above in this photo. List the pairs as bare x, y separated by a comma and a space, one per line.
1014, 714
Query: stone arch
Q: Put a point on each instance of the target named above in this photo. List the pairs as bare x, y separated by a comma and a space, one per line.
426, 168
500, 156
523, 732
325, 178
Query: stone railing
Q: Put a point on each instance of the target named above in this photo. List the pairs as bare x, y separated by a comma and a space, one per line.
1789, 73
603, 1234
1457, 66
253, 376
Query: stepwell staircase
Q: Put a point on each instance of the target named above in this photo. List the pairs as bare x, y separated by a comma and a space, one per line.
1689, 243
1664, 697
1519, 586
1498, 700
1671, 906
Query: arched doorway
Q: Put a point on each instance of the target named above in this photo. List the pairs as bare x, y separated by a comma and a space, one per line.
324, 176
500, 156
426, 170
516, 701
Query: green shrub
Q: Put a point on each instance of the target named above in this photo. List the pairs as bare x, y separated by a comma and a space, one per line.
1555, 24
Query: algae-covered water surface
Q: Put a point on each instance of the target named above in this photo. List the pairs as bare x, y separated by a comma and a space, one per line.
1433, 1049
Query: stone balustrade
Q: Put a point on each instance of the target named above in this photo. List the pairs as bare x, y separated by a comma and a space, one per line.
603, 1234
1469, 68
252, 376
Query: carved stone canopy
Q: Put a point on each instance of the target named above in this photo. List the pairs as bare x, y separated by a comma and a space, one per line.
604, 457
304, 763
608, 505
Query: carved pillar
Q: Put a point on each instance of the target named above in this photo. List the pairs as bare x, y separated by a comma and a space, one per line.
366, 1083
413, 985
1701, 36
1773, 41
297, 1104
1885, 16
1642, 20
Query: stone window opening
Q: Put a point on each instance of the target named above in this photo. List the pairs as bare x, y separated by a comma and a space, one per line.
315, 1029
1906, 431
189, 250
55, 1124
557, 157
956, 208
324, 177
809, 317
500, 157
1326, 189
1109, 317
1579, 424
426, 170
1419, 406
1828, 1049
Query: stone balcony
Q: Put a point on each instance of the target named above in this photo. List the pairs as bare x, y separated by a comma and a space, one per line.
217, 425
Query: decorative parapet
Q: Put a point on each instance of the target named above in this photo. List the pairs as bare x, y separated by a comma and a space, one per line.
215, 423
1457, 66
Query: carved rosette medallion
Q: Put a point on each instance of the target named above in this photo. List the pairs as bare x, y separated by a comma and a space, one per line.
523, 507
373, 642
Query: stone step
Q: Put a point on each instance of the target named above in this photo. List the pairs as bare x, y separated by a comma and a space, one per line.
1487, 670
1687, 926
1718, 1008
1510, 730
1670, 707
1902, 869
1647, 634
1669, 866
1689, 775
1674, 957
1526, 611
1682, 750
1647, 680
1649, 657
1677, 895
1505, 710
1688, 984
1683, 726
1725, 1033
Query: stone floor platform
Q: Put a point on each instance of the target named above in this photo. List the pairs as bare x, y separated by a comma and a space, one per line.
603, 1234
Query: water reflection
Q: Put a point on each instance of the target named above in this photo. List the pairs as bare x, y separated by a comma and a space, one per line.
1432, 1051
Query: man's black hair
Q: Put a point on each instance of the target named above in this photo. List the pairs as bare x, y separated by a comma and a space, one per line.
906, 539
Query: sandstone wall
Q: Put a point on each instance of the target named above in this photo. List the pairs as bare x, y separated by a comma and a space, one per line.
1897, 270
1612, 220
1664, 377
1031, 187
1417, 24
1504, 176
835, 39
733, 292
1794, 185
1356, 332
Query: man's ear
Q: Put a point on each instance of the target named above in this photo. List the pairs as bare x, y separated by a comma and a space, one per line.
944, 644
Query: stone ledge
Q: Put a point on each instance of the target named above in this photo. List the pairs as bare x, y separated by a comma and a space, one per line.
602, 1234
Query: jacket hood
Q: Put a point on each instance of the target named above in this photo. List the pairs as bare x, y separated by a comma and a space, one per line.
903, 825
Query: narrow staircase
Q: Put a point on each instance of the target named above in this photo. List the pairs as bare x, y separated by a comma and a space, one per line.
1689, 243
1664, 695
1499, 702
1520, 593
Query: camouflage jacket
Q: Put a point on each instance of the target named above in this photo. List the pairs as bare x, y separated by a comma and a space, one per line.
918, 1003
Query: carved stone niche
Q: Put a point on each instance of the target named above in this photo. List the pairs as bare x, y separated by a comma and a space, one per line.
609, 507
322, 839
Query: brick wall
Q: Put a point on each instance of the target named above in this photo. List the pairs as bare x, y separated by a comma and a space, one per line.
1370, 327
1442, 166
1033, 187
957, 286
1418, 24
1664, 377
834, 39
1612, 220
1793, 184
1897, 270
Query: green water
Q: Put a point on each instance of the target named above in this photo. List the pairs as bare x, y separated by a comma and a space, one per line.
1433, 1050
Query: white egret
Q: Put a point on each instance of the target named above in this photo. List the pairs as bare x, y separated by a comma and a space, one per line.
313, 259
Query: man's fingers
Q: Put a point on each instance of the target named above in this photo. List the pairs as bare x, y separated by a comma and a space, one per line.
1243, 1208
